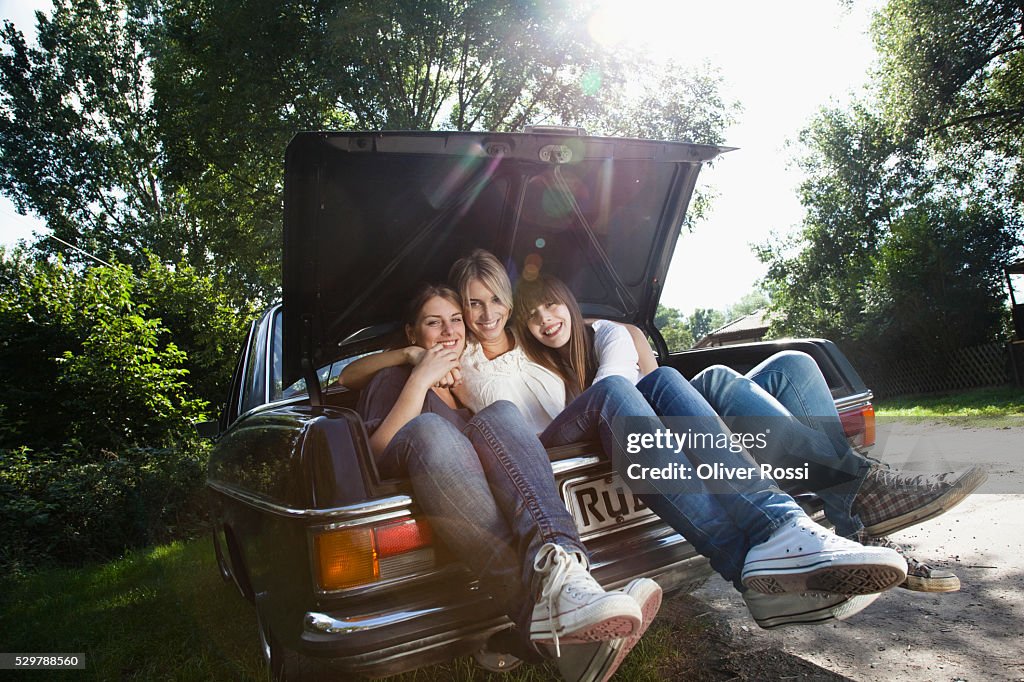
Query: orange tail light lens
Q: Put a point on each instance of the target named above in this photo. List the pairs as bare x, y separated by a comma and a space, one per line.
350, 557
346, 558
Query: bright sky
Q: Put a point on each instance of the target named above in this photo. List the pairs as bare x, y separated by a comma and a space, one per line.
780, 60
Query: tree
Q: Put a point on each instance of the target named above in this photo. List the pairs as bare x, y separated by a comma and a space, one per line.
82, 361
160, 125
749, 303
855, 179
78, 141
901, 247
201, 320
235, 81
950, 73
673, 328
703, 321
681, 103
938, 284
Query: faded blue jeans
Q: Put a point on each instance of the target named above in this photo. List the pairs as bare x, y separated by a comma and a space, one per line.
490, 495
722, 524
789, 388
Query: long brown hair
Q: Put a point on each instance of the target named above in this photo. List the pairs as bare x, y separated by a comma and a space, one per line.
578, 366
424, 293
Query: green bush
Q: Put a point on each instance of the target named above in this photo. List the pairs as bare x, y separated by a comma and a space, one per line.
72, 506
98, 451
82, 361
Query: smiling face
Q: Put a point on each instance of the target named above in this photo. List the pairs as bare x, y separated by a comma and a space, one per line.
551, 324
487, 315
439, 321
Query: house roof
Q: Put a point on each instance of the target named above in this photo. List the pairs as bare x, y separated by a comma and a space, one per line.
750, 326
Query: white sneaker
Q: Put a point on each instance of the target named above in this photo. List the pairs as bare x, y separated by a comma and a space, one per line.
806, 608
802, 556
573, 607
598, 662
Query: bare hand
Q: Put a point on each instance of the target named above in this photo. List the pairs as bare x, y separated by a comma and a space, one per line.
435, 365
451, 379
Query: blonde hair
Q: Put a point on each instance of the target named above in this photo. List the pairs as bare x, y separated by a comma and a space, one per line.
484, 266
579, 366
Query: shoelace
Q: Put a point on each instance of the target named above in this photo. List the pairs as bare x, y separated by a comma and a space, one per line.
556, 566
914, 566
815, 530
896, 480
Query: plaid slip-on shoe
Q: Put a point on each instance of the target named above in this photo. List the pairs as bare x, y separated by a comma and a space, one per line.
921, 577
889, 501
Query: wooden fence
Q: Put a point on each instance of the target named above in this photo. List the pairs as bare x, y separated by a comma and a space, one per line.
975, 367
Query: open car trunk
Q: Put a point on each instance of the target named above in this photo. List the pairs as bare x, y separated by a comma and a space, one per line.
370, 216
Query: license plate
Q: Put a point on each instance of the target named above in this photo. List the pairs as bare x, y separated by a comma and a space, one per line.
602, 502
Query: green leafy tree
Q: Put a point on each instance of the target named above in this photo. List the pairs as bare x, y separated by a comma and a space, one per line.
82, 361
234, 82
901, 245
672, 325
951, 73
855, 179
680, 103
704, 321
160, 125
200, 319
749, 303
938, 284
78, 139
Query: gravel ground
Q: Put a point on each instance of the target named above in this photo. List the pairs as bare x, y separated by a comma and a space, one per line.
972, 635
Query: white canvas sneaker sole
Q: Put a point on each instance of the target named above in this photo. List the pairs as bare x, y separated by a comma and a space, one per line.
803, 609
598, 662
613, 616
801, 556
849, 573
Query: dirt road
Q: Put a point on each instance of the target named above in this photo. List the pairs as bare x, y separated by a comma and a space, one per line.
972, 635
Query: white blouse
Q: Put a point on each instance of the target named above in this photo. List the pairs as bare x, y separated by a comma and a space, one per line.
538, 392
615, 352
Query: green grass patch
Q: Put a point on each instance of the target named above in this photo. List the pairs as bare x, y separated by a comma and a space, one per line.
157, 614
1002, 401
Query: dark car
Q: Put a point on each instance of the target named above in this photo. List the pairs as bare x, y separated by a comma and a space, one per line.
344, 574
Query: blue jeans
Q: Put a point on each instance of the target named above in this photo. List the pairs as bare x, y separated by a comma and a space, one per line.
489, 493
789, 388
722, 524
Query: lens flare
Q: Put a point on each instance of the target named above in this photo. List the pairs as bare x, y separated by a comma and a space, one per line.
591, 82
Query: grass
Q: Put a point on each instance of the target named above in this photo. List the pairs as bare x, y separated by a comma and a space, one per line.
158, 614
999, 402
165, 614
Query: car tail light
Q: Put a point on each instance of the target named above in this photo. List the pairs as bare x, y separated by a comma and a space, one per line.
352, 557
859, 425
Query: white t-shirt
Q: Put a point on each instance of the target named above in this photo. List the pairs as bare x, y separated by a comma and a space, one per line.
538, 392
615, 352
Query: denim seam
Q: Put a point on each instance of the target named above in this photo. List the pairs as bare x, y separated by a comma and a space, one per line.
518, 481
